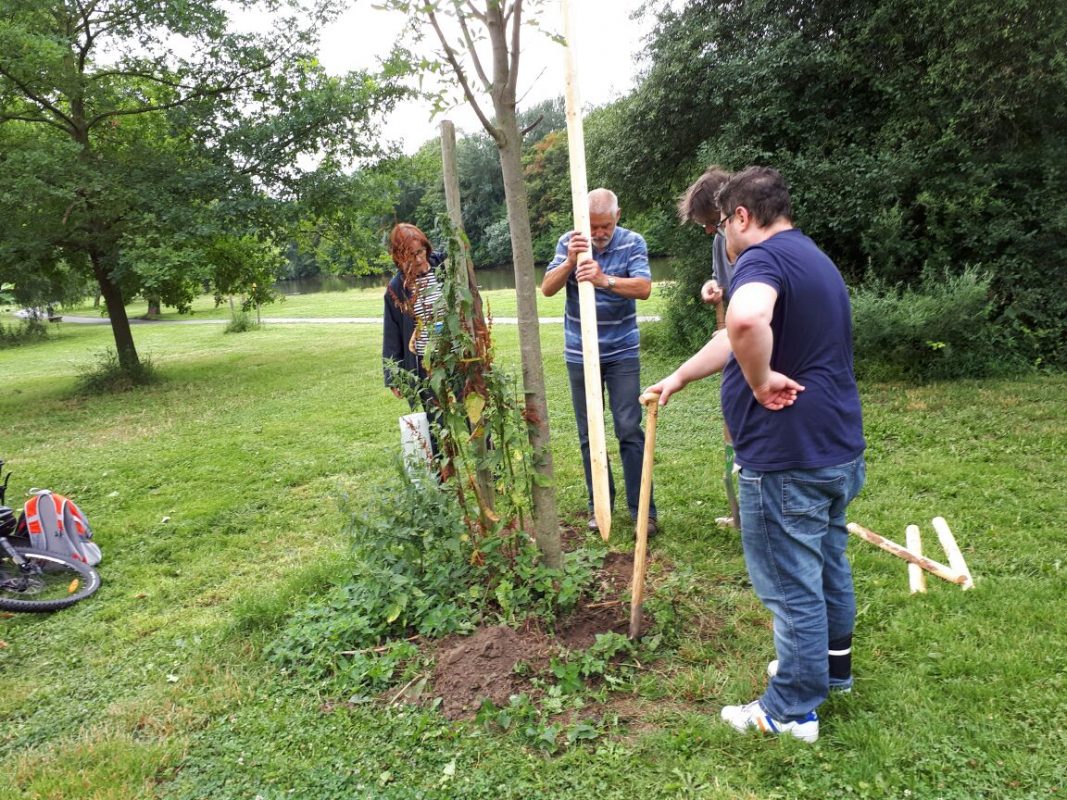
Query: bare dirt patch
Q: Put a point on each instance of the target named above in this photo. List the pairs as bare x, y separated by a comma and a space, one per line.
479, 667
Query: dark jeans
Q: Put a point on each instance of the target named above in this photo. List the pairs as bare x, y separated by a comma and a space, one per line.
622, 381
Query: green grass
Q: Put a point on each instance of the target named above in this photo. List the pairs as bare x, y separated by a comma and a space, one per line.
156, 686
354, 303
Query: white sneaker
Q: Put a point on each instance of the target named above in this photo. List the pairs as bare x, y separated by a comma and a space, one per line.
752, 716
772, 670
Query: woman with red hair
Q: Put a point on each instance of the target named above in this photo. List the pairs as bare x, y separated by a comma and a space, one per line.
409, 310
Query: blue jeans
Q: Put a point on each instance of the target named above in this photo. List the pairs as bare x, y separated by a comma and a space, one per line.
794, 537
622, 380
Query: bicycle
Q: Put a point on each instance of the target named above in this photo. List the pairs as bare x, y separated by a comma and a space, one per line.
33, 580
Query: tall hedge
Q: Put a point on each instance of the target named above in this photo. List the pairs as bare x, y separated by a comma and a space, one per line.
918, 138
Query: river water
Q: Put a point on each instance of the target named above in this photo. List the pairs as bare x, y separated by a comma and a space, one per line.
495, 278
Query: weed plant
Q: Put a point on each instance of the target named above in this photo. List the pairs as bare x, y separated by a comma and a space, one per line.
241, 322
415, 570
105, 374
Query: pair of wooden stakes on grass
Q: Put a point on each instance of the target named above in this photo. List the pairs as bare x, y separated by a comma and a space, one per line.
956, 572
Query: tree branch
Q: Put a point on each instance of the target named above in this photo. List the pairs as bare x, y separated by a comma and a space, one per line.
471, 49
38, 100
478, 15
42, 120
130, 73
126, 112
531, 126
461, 76
513, 72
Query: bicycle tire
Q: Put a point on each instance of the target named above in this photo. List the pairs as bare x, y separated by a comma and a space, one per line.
56, 575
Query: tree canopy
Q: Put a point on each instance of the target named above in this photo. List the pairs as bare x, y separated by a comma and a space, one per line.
918, 138
134, 134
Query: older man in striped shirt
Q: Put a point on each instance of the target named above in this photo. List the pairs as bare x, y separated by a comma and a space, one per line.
619, 270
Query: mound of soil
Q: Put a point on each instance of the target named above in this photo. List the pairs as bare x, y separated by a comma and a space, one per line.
473, 669
480, 667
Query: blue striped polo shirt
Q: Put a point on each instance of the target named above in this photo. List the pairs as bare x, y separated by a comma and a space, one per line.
626, 256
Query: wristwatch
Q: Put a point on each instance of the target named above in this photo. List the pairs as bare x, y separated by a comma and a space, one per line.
611, 283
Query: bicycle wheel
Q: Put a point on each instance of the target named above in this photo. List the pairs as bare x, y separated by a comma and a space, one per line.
51, 582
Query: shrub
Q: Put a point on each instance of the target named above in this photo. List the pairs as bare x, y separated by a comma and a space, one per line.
105, 374
240, 322
943, 329
32, 330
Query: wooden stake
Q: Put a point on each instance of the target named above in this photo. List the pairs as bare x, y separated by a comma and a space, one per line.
651, 400
952, 550
594, 394
940, 570
728, 446
916, 577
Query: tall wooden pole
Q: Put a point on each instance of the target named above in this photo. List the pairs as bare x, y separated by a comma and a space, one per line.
594, 396
450, 174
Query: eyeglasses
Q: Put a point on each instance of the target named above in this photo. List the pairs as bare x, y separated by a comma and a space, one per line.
722, 223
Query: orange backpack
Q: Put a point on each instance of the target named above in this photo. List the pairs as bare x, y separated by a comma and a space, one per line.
55, 524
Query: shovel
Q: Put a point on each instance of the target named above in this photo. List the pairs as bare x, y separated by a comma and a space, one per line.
650, 399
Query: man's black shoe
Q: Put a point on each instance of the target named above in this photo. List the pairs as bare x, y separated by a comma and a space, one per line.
592, 525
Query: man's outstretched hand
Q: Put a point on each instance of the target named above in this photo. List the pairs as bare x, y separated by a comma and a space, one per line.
665, 388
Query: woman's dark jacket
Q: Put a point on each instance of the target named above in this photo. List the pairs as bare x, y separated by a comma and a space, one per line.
398, 325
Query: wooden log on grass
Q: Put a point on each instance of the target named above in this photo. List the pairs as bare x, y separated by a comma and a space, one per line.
952, 550
916, 576
594, 395
928, 564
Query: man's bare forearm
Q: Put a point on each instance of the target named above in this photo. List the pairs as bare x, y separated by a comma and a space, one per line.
752, 349
708, 360
556, 278
633, 288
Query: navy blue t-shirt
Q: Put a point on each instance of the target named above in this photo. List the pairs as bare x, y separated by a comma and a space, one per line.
812, 327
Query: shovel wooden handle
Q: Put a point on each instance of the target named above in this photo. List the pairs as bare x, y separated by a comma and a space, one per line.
651, 400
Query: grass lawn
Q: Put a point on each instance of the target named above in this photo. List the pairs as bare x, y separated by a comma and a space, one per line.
354, 303
214, 495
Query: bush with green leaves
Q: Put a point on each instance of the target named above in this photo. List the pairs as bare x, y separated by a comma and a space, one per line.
416, 570
241, 322
943, 329
15, 334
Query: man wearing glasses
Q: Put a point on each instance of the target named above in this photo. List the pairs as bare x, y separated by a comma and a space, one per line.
789, 396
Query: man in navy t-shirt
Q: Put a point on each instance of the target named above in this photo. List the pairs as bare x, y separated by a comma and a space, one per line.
789, 397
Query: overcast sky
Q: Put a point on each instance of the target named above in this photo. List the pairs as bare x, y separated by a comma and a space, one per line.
607, 58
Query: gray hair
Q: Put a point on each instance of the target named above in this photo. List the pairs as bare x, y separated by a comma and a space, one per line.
603, 201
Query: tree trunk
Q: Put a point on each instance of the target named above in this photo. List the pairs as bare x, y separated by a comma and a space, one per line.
154, 307
533, 376
116, 309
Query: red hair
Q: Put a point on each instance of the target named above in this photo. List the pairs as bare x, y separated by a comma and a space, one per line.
405, 242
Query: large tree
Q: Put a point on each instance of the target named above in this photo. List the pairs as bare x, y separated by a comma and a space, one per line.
918, 137
136, 134
493, 72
